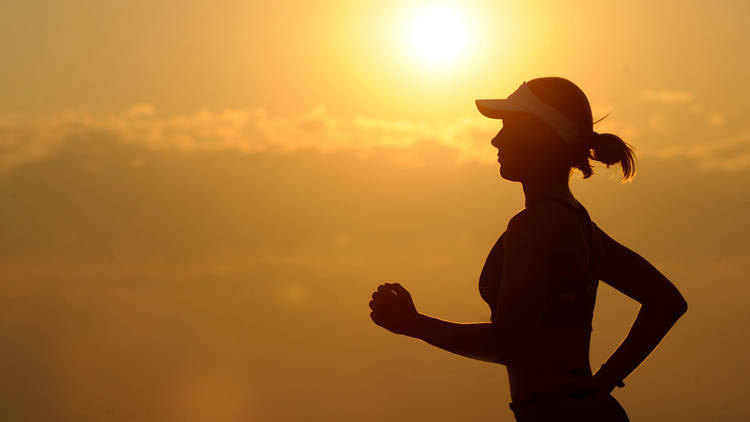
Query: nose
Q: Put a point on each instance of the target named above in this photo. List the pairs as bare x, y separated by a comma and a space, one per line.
496, 141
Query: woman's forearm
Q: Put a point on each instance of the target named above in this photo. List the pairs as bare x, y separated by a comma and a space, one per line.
649, 327
481, 341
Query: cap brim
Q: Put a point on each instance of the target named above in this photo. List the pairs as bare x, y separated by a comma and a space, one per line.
498, 109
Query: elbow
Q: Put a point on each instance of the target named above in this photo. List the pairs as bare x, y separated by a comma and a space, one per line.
681, 306
671, 309
503, 344
678, 305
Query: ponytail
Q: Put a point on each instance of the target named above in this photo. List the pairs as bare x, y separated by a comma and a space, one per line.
610, 149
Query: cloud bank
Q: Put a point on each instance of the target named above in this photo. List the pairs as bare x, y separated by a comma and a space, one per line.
250, 131
253, 131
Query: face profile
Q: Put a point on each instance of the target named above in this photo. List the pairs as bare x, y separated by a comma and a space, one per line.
526, 148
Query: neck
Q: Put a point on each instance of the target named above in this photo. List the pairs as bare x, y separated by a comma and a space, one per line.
553, 187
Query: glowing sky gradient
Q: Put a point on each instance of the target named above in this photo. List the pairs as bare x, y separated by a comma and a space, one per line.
198, 198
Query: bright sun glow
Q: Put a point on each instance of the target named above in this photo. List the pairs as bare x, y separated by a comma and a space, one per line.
439, 33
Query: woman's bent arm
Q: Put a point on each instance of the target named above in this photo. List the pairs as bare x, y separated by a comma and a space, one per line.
650, 326
661, 306
393, 309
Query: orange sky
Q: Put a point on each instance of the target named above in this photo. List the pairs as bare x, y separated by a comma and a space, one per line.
199, 197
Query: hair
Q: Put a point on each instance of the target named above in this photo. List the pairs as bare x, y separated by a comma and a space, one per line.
569, 99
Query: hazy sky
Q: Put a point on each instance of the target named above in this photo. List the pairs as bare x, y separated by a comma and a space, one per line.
199, 197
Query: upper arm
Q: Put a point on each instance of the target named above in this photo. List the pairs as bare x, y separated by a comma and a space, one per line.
634, 276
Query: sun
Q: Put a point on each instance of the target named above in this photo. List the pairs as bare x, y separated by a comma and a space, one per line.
439, 33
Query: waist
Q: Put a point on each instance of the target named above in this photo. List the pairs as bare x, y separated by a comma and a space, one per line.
555, 406
526, 383
551, 397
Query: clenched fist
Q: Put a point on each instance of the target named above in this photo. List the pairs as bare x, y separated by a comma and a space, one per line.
393, 308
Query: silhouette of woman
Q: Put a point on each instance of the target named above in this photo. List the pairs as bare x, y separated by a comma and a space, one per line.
540, 277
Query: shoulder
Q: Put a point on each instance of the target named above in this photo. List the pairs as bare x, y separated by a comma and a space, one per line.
550, 232
544, 223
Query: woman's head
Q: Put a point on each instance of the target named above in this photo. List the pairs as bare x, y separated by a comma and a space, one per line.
529, 147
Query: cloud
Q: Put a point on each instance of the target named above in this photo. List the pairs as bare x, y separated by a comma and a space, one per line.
681, 99
252, 131
730, 153
24, 140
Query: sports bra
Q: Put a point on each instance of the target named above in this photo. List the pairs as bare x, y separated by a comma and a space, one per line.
570, 302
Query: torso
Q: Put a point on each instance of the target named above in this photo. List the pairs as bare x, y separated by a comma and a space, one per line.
562, 362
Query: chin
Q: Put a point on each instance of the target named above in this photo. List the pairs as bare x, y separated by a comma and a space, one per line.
509, 175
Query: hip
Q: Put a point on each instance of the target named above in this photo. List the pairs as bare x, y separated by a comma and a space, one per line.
581, 406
